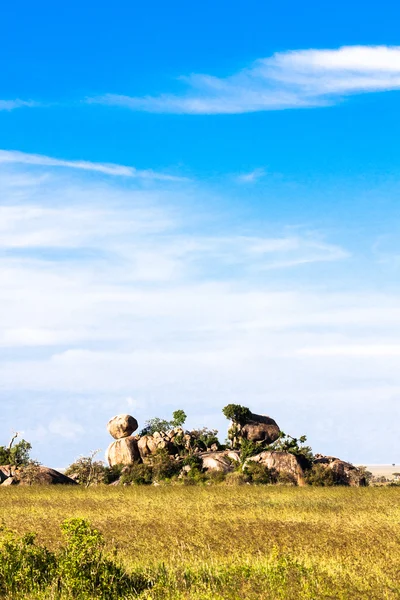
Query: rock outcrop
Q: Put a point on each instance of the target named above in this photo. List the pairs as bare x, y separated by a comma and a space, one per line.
172, 441
32, 475
122, 426
344, 472
280, 462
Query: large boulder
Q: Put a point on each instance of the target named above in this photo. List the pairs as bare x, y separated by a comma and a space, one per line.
42, 476
344, 472
258, 428
33, 475
280, 462
216, 461
124, 451
122, 426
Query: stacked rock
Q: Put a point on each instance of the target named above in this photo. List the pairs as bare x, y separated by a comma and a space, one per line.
149, 444
124, 451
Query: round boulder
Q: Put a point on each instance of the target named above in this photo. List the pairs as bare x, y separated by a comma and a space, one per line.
122, 426
123, 452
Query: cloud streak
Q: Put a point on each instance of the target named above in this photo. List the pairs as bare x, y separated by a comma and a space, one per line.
12, 104
293, 79
15, 157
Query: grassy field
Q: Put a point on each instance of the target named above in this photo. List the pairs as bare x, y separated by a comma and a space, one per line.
226, 543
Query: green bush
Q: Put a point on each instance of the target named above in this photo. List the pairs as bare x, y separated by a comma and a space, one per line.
81, 569
237, 413
24, 566
285, 478
320, 475
164, 466
87, 471
249, 448
204, 438
86, 571
137, 474
258, 473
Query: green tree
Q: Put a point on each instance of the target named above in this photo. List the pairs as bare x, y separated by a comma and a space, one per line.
157, 424
15, 454
178, 418
237, 413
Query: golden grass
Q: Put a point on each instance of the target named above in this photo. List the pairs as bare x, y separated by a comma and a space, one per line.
220, 542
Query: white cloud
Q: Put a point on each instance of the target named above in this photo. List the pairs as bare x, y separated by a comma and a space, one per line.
15, 157
293, 79
11, 104
114, 298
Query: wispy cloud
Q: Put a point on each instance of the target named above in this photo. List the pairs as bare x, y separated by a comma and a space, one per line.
15, 157
293, 79
11, 104
251, 176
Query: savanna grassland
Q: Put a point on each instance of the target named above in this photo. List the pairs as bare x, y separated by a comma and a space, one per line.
229, 543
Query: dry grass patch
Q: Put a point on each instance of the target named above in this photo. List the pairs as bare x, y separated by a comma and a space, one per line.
233, 542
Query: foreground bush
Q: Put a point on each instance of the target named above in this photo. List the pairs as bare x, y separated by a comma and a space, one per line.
81, 569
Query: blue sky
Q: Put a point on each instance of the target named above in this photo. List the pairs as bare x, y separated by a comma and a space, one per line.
199, 205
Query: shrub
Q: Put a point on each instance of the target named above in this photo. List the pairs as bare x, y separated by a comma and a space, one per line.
81, 569
285, 478
320, 475
137, 474
24, 566
259, 473
202, 439
31, 473
87, 471
237, 413
248, 448
164, 466
85, 571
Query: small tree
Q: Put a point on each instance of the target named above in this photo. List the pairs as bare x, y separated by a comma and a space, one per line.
87, 471
157, 424
15, 454
237, 413
178, 418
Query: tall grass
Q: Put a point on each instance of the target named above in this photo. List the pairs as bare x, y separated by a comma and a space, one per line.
231, 543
